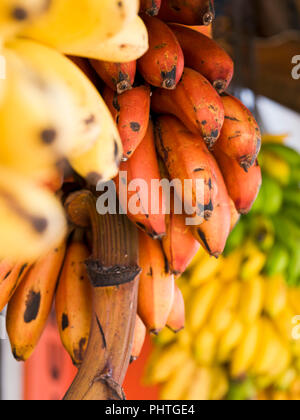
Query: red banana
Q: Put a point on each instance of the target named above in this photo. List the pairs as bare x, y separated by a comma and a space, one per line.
186, 158
196, 103
131, 112
138, 339
151, 7
213, 234
243, 187
118, 76
163, 64
240, 137
156, 289
204, 55
176, 320
143, 166
188, 12
179, 244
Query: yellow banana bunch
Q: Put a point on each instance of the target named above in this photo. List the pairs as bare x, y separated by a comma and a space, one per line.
238, 326
95, 147
32, 220
35, 119
79, 27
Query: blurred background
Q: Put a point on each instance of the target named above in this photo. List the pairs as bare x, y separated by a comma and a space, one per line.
263, 37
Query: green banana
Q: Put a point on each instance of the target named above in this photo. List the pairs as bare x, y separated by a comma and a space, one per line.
278, 260
289, 155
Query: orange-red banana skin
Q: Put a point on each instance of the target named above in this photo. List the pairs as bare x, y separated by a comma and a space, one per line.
150, 7
156, 289
179, 244
188, 12
163, 63
213, 234
138, 339
143, 165
243, 187
118, 76
196, 103
131, 112
30, 306
176, 319
73, 302
11, 276
240, 137
204, 55
186, 158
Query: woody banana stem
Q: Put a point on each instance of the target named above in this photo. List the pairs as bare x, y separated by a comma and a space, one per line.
113, 272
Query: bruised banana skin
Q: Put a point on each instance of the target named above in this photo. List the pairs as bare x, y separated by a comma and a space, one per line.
78, 27
10, 278
32, 220
118, 76
196, 103
73, 302
186, 158
176, 319
163, 64
143, 165
204, 55
240, 137
17, 14
243, 187
128, 45
156, 288
29, 308
213, 233
131, 112
44, 113
188, 12
138, 339
150, 7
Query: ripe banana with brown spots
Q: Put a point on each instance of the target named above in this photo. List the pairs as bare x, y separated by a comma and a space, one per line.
118, 76
11, 276
29, 308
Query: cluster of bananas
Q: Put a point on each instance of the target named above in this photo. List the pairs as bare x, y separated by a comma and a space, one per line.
50, 111
165, 113
241, 339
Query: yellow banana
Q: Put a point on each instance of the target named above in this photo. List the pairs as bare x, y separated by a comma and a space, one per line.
204, 347
254, 262
283, 323
128, 45
251, 299
219, 384
276, 167
177, 385
229, 340
271, 138
224, 306
36, 116
275, 296
200, 385
17, 14
230, 269
78, 27
206, 269
201, 304
165, 363
294, 298
92, 121
267, 351
32, 221
244, 354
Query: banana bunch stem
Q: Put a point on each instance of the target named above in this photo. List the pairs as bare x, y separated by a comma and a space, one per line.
113, 272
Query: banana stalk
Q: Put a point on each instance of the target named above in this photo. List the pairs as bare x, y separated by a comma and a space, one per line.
113, 272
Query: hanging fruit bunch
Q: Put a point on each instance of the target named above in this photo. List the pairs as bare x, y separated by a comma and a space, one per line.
107, 92
241, 338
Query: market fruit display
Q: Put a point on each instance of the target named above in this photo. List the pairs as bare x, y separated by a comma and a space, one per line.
112, 88
241, 333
